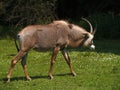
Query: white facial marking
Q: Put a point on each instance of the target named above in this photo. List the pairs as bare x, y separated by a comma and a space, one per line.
92, 47
90, 36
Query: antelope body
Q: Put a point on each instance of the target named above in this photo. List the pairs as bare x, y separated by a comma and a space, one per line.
56, 36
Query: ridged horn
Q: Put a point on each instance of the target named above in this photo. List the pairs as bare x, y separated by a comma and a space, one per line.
95, 29
91, 28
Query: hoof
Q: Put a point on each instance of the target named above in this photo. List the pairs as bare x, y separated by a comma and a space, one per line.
29, 79
8, 81
73, 74
51, 77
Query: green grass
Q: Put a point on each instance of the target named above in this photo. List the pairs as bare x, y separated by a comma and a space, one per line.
96, 70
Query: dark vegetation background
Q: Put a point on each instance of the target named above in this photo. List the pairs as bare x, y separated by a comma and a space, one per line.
16, 14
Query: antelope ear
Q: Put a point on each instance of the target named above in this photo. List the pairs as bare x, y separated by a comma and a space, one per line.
70, 26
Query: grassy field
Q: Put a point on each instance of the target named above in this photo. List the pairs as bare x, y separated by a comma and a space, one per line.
96, 70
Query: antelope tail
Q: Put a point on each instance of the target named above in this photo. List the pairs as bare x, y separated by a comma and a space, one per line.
16, 44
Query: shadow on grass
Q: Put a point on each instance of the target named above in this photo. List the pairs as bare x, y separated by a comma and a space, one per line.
64, 74
32, 77
22, 78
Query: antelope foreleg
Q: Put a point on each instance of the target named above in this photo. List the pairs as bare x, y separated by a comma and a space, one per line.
67, 58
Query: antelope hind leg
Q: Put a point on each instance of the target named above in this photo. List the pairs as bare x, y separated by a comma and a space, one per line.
13, 63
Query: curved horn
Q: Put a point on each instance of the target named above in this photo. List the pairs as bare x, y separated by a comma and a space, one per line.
91, 28
95, 29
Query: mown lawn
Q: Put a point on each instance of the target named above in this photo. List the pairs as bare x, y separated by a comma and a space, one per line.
96, 70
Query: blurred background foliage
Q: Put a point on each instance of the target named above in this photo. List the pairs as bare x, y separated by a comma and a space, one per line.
16, 14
